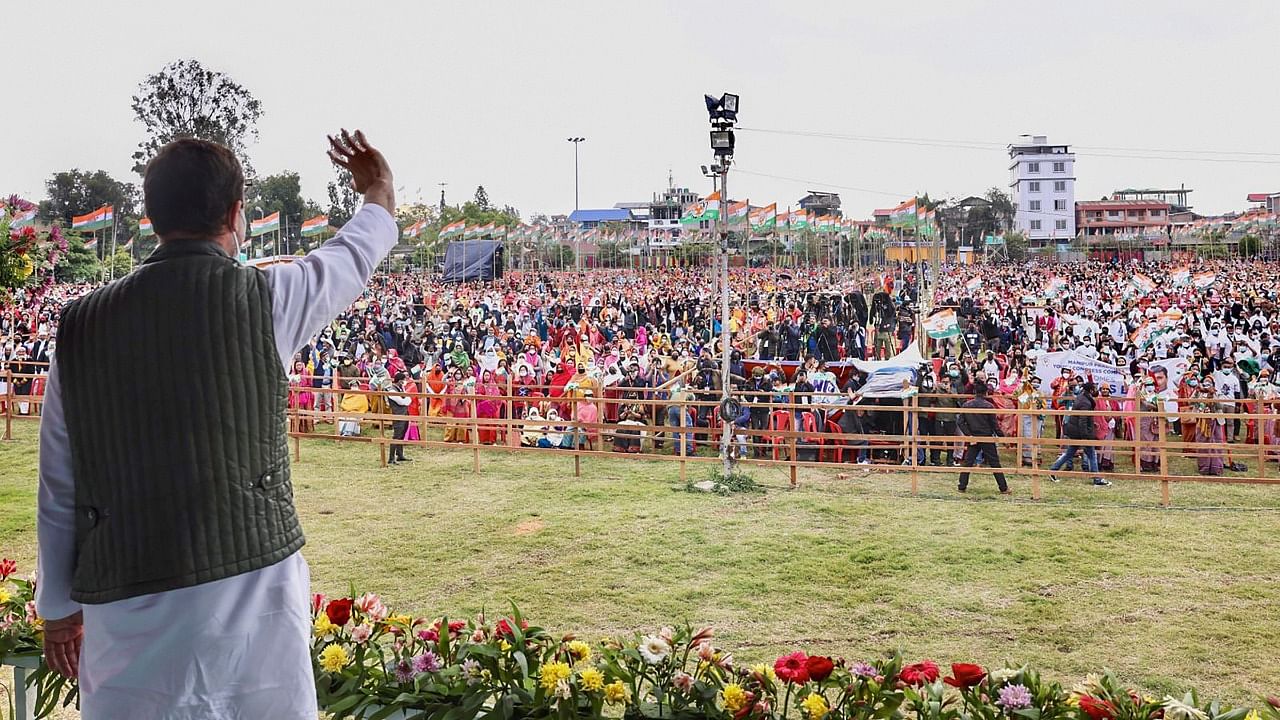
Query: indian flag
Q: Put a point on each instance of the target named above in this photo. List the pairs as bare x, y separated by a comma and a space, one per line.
1180, 276
1204, 280
453, 229
412, 231
96, 220
91, 244
471, 232
973, 285
262, 226
129, 244
738, 212
942, 325
485, 230
144, 228
1144, 283
22, 219
315, 225
783, 219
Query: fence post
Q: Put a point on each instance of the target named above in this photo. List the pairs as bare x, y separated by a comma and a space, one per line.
382, 445
1164, 462
907, 423
795, 482
513, 438
8, 404
578, 436
475, 436
297, 449
1260, 433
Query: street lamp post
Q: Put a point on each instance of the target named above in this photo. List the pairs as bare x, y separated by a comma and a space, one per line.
723, 113
577, 249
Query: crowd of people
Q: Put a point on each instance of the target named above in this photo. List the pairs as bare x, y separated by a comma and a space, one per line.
552, 350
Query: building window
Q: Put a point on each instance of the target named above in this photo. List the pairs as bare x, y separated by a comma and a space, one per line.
1113, 214
1133, 213
1156, 213
1033, 186
1060, 224
1035, 224
1059, 167
1034, 205
1033, 167
1059, 185
1059, 204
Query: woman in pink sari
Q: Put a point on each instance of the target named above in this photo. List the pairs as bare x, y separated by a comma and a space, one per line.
300, 397
1105, 428
488, 406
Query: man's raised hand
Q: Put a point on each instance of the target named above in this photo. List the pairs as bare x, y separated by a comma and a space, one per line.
370, 173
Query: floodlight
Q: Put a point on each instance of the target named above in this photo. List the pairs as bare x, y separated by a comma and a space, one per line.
722, 142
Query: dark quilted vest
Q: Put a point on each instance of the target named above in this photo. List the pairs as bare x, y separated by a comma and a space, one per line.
175, 405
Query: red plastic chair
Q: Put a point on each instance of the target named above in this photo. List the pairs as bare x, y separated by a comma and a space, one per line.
779, 421
834, 447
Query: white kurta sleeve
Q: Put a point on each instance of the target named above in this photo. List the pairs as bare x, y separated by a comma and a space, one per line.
55, 508
310, 292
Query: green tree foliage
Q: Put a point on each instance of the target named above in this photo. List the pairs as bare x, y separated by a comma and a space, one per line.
611, 253
1016, 244
78, 264
76, 192
1249, 245
482, 199
118, 265
281, 193
557, 256
185, 99
343, 200
692, 252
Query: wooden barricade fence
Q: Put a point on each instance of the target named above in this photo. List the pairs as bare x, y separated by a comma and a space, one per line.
683, 430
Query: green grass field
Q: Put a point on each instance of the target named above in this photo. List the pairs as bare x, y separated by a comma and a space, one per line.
1086, 578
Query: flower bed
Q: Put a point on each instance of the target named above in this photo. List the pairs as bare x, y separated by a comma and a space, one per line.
373, 663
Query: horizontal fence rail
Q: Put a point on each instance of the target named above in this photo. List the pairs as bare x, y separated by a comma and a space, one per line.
791, 430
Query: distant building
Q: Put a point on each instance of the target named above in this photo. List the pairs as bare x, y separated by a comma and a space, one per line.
665, 211
589, 219
1269, 201
881, 216
1177, 199
1042, 181
821, 203
1146, 219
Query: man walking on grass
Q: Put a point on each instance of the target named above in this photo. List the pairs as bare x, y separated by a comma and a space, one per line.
170, 571
981, 428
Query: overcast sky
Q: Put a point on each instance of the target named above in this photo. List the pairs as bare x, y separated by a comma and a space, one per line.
473, 93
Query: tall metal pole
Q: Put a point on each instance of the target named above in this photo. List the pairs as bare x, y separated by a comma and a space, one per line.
723, 228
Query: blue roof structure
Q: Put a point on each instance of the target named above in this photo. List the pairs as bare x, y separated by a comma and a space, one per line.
599, 216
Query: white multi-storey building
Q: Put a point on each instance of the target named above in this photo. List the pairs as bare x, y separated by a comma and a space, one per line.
1042, 182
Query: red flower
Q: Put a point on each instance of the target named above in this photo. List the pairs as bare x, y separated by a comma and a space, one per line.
1097, 709
819, 667
793, 668
339, 611
7, 568
965, 675
921, 673
317, 603
503, 628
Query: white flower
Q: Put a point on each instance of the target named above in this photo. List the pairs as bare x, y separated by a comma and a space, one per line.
563, 691
1178, 710
360, 634
654, 649
1003, 675
683, 681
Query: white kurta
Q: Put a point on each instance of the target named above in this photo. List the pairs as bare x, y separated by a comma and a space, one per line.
234, 648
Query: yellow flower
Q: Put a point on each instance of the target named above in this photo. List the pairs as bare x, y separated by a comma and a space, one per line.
1253, 715
504, 646
593, 680
553, 673
815, 705
324, 627
405, 620
4, 596
580, 650
333, 658
734, 697
765, 671
616, 693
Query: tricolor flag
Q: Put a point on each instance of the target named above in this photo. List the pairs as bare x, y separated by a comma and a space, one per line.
764, 219
485, 230
412, 231
941, 325
904, 215
144, 228
315, 226
1180, 276
973, 285
22, 219
711, 206
800, 220
1054, 286
1144, 283
453, 229
471, 232
127, 245
96, 220
783, 219
738, 212
1204, 280
270, 223
91, 244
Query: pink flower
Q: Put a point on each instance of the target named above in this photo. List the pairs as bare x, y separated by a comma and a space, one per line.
668, 634
32, 615
793, 668
7, 568
683, 681
317, 603
478, 636
360, 634
706, 652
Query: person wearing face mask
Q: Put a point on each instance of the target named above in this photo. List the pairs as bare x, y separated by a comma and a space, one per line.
1210, 432
1031, 403
131, 605
1079, 428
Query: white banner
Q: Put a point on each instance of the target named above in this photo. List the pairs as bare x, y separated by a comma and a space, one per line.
1049, 367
